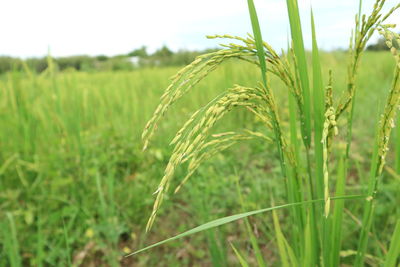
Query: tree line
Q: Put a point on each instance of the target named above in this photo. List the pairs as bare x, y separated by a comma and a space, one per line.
137, 58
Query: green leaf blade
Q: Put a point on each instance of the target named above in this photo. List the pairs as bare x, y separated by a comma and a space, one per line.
228, 219
299, 50
258, 39
394, 249
239, 256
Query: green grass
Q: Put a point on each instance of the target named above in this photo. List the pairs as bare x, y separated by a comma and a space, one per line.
77, 187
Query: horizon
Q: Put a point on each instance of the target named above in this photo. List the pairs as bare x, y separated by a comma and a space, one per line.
110, 28
179, 50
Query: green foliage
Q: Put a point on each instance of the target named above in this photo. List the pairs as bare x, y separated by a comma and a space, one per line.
314, 244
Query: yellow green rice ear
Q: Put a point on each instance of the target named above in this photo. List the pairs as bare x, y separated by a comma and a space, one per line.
191, 140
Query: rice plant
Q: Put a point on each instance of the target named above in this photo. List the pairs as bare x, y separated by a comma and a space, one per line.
314, 199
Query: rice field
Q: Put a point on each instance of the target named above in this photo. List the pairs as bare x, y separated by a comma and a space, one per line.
244, 157
76, 187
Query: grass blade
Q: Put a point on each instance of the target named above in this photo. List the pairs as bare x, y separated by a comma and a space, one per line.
291, 255
337, 220
300, 56
394, 249
398, 145
232, 218
293, 126
261, 57
280, 240
258, 38
293, 184
319, 118
11, 243
242, 261
318, 97
308, 255
298, 46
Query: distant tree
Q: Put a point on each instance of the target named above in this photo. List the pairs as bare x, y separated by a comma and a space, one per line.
101, 58
166, 57
141, 52
76, 62
163, 52
121, 63
162, 57
37, 64
9, 64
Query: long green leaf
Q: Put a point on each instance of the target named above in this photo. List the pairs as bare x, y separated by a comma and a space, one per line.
258, 39
293, 126
300, 57
292, 256
298, 46
261, 57
394, 249
398, 145
318, 95
308, 254
319, 118
12, 243
280, 240
337, 219
242, 261
228, 219
294, 184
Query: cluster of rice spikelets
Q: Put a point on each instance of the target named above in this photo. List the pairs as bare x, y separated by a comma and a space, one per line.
330, 121
392, 39
185, 80
279, 66
358, 41
192, 74
388, 117
219, 143
191, 140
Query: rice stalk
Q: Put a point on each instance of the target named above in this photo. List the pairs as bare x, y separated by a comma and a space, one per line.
365, 28
381, 147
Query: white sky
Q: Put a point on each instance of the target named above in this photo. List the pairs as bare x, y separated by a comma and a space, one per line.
29, 27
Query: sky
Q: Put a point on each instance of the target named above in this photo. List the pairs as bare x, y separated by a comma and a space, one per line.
75, 27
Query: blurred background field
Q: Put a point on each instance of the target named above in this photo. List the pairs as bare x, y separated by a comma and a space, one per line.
76, 187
